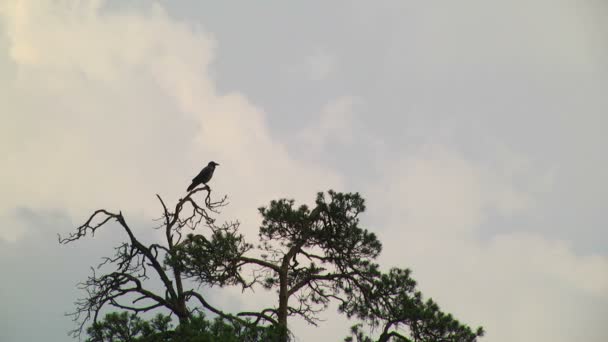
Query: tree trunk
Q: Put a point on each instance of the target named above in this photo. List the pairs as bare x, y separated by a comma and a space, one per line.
283, 301
182, 308
182, 312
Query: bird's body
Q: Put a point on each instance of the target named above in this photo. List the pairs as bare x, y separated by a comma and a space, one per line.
204, 176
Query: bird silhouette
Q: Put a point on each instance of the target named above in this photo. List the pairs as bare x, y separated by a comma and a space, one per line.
204, 176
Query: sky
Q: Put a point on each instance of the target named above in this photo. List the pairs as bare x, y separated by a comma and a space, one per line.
474, 129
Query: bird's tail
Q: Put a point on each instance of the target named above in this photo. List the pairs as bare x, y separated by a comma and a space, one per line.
191, 187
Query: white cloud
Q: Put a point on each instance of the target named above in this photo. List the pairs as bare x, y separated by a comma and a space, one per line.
435, 177
514, 283
113, 107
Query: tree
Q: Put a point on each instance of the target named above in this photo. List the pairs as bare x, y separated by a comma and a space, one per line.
310, 256
131, 328
391, 301
125, 285
128, 327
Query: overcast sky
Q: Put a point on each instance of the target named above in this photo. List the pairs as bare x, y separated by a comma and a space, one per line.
474, 129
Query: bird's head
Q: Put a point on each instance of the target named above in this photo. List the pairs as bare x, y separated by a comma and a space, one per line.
213, 164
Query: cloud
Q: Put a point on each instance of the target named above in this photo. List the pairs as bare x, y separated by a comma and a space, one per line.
104, 108
109, 108
433, 177
512, 283
115, 106
333, 126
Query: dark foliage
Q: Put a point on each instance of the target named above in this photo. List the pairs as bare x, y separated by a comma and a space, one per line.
125, 327
309, 256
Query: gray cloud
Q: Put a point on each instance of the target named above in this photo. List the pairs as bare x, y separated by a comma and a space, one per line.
476, 132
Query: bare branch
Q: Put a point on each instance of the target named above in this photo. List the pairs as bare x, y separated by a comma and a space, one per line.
260, 316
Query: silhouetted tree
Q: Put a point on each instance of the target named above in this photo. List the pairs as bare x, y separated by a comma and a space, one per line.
391, 302
132, 328
309, 256
127, 275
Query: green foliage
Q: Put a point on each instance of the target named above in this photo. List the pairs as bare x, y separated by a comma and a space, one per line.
210, 260
388, 302
128, 327
125, 327
391, 301
331, 231
309, 255
358, 335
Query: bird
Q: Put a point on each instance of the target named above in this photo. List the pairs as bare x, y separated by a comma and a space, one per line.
204, 176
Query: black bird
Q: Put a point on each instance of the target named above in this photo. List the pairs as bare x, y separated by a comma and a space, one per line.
204, 176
